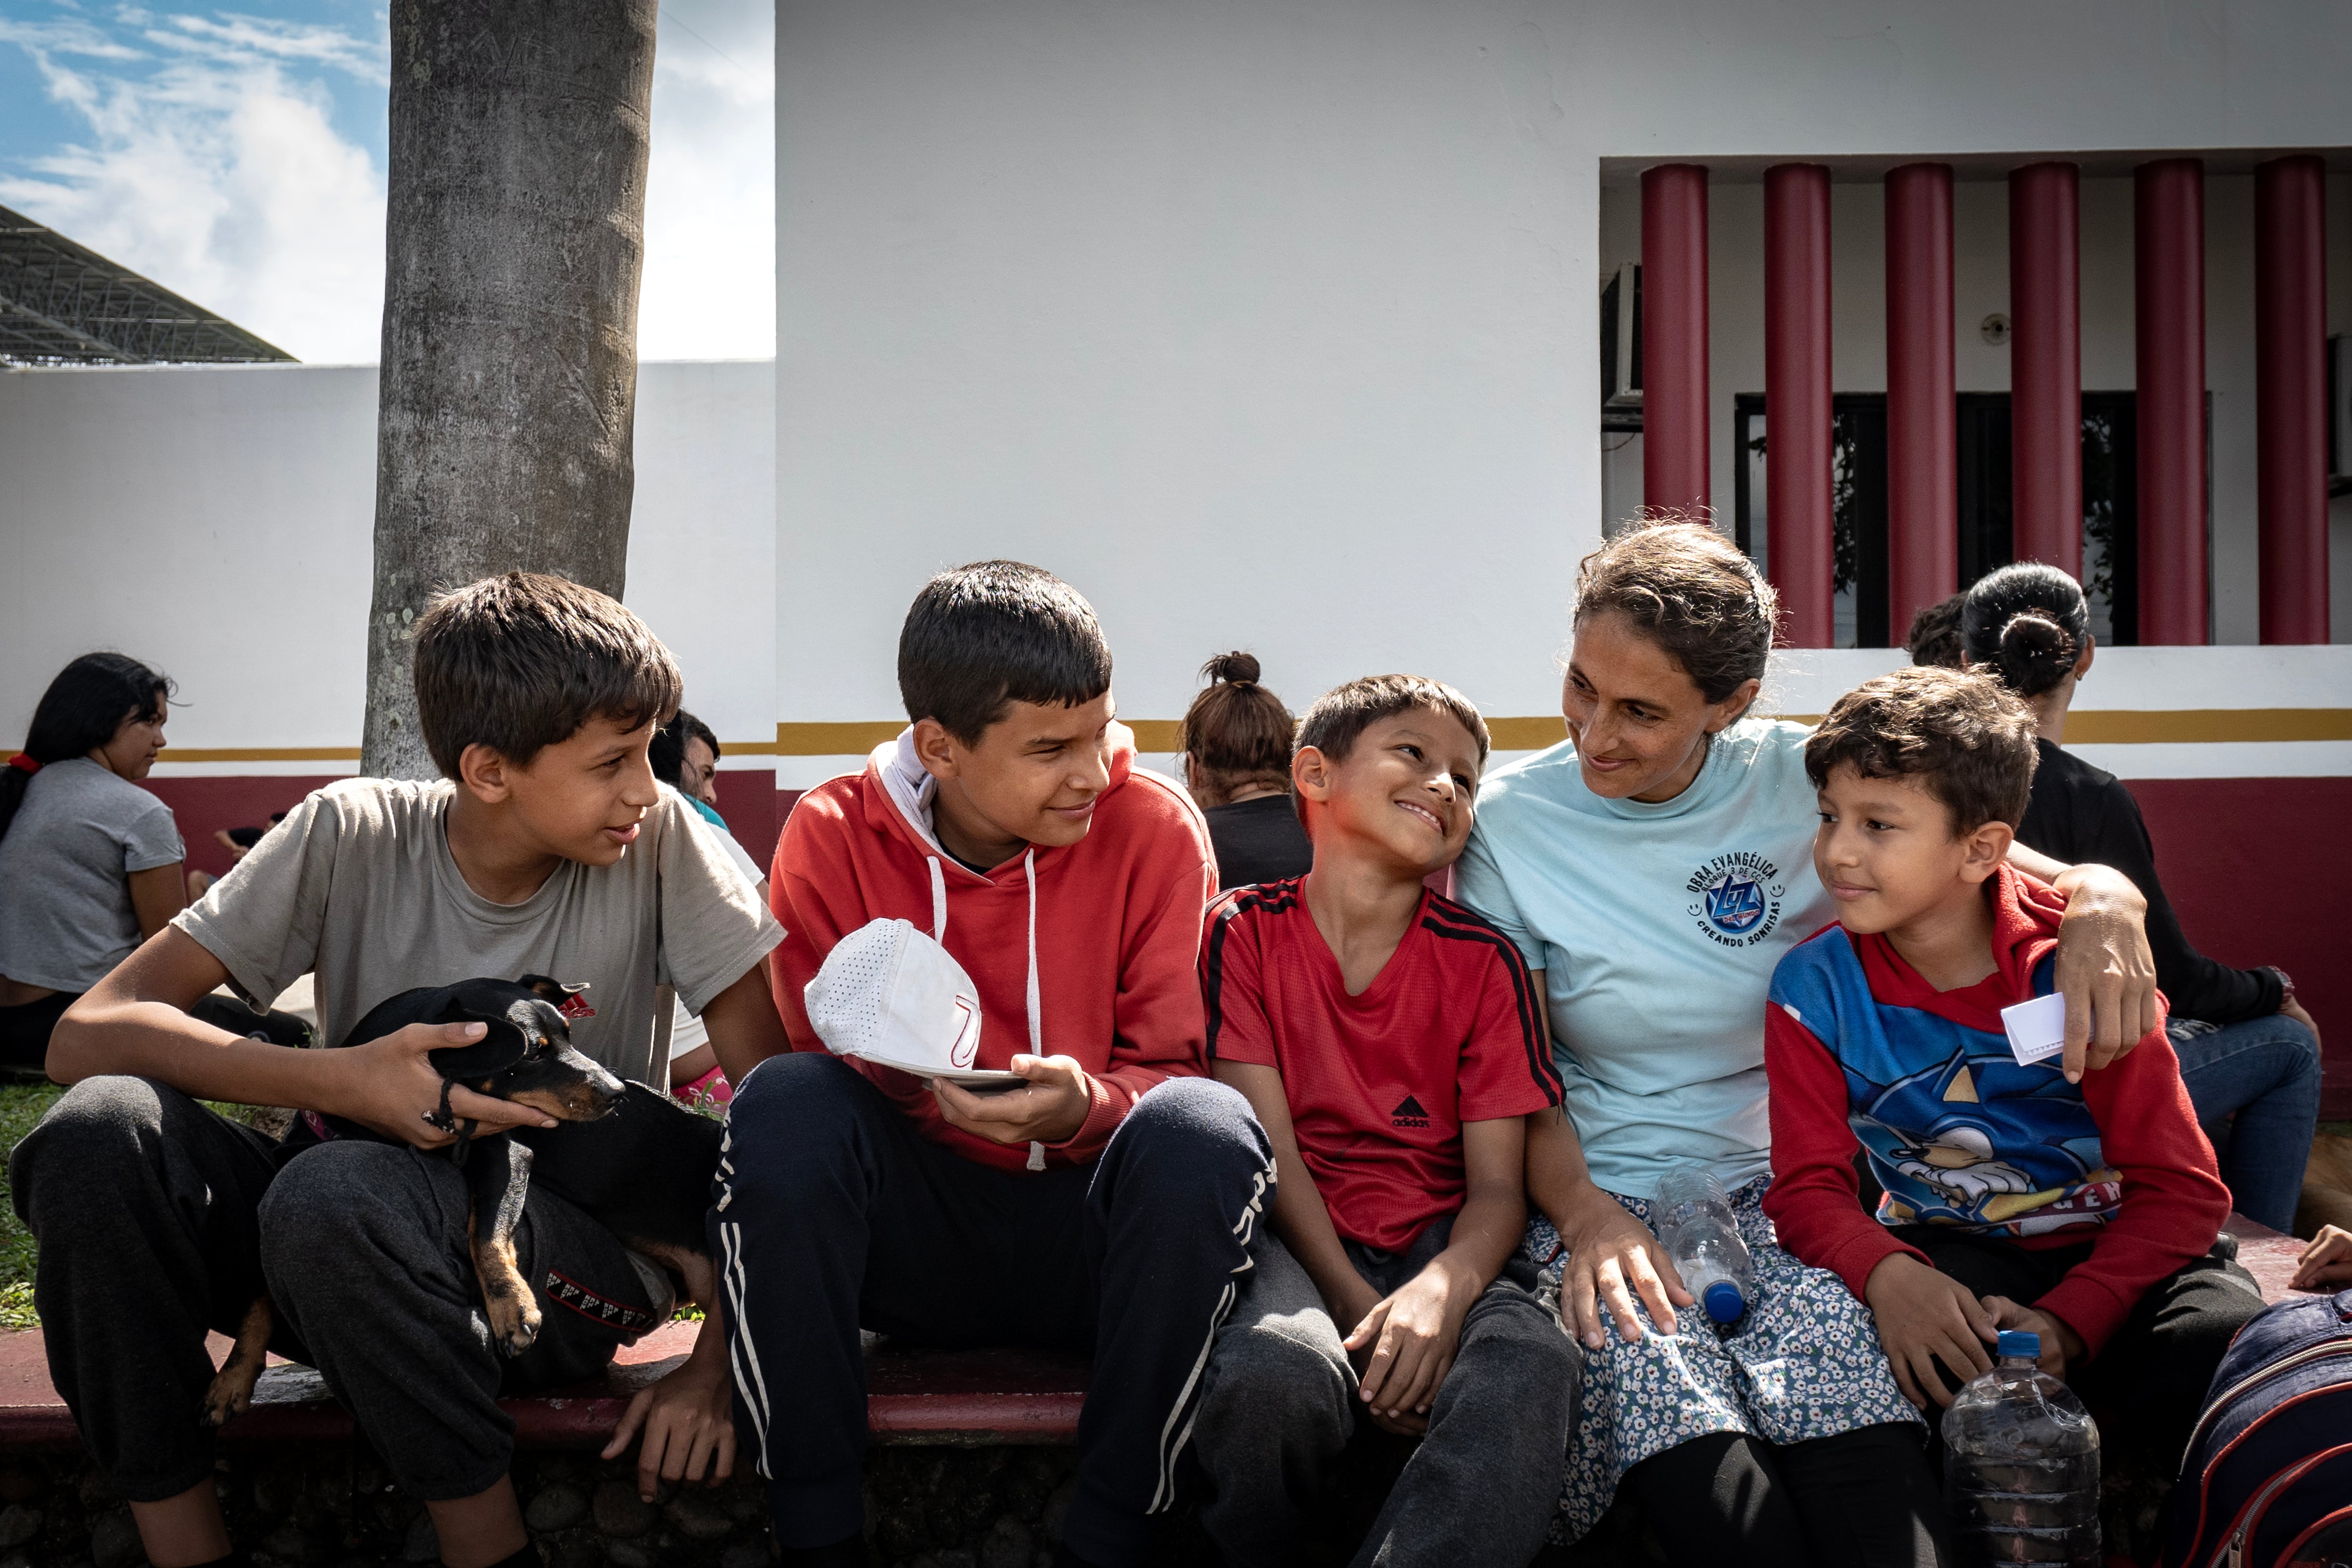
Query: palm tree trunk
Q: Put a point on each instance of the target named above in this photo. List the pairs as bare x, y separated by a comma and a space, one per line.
514, 243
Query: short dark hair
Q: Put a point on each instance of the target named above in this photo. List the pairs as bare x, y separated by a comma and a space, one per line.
1964, 735
2028, 624
1935, 637
1342, 715
667, 752
983, 636
520, 662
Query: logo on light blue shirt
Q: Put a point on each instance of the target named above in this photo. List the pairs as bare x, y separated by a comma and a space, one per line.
1739, 897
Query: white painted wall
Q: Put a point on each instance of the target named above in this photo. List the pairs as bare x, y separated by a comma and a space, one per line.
1272, 324
216, 523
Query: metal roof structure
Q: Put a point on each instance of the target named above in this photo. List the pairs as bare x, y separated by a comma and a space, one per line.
62, 303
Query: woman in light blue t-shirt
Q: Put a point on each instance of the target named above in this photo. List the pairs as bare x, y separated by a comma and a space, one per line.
1653, 868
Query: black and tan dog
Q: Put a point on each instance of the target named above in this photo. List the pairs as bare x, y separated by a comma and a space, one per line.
630, 1157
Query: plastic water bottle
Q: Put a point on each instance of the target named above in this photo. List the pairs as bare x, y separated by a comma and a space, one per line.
2022, 1464
1692, 1216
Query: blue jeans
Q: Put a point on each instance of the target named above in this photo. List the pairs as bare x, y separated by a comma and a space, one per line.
2267, 1071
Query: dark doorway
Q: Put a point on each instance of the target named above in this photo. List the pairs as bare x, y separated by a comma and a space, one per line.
1858, 497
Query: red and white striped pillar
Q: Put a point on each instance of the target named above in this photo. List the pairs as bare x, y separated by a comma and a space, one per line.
2291, 396
1923, 472
2168, 271
1674, 338
2045, 377
1797, 418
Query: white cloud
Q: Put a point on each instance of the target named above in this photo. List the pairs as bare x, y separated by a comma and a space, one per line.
211, 162
711, 194
217, 172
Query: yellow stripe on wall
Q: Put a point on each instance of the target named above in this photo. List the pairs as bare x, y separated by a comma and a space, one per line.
2093, 727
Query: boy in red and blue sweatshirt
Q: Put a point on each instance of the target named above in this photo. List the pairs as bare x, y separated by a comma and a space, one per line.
2014, 1198
1105, 1203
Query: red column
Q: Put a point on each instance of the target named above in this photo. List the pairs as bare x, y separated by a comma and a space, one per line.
1797, 397
1923, 475
1673, 337
2168, 231
2291, 396
2045, 375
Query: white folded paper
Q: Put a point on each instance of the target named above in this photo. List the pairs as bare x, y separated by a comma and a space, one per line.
2037, 1029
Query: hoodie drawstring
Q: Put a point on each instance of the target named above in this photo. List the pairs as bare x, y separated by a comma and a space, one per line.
1036, 1023
1037, 1018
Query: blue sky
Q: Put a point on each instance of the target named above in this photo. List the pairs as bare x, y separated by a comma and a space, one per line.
237, 156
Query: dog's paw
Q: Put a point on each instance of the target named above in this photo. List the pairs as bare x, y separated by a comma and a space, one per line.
230, 1396
514, 1324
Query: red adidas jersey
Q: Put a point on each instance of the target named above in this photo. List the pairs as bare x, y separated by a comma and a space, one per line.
1379, 1084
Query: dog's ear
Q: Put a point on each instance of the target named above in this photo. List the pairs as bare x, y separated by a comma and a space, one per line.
495, 1051
551, 990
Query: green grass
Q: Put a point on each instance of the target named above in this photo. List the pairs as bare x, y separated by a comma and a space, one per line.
21, 1105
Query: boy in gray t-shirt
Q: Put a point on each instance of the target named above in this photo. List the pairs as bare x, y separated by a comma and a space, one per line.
548, 849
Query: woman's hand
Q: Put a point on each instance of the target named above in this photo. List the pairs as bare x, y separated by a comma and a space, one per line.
1611, 1258
2105, 969
2326, 1263
688, 1417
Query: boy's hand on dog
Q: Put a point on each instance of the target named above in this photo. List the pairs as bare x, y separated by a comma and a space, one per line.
391, 1088
1049, 1109
1926, 1317
2326, 1263
1411, 1335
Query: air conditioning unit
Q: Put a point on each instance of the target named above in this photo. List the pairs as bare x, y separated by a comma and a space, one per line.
1621, 349
2339, 415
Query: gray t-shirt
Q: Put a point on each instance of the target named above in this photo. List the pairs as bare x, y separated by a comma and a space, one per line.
358, 885
65, 892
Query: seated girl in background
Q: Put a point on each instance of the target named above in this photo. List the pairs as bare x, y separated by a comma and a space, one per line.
1236, 762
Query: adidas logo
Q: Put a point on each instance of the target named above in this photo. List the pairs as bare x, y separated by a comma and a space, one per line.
1409, 1114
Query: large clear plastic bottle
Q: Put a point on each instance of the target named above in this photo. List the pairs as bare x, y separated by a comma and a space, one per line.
1692, 1216
2022, 1464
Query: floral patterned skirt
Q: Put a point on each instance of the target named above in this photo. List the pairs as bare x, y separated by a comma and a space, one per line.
1805, 1362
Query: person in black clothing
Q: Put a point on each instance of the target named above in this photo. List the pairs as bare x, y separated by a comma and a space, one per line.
1236, 740
2245, 1045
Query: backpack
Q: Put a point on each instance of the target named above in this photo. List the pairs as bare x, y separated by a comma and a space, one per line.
2268, 1478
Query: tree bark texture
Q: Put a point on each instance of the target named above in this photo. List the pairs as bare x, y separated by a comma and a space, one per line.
514, 243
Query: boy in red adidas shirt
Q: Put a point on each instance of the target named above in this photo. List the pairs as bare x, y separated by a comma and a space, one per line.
2013, 1199
1388, 1040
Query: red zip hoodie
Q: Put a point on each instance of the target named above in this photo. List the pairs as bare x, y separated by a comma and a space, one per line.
2172, 1200
1088, 951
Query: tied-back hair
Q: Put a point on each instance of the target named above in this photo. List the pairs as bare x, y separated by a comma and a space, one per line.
1689, 590
667, 755
2028, 624
90, 699
1236, 733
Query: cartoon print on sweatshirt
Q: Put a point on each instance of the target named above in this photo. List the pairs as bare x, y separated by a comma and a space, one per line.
1958, 1131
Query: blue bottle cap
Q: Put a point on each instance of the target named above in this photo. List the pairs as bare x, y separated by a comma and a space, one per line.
2019, 1341
1723, 1303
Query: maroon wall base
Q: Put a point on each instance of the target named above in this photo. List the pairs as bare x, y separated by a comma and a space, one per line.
2255, 868
204, 806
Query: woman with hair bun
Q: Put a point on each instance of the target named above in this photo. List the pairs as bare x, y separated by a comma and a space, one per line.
2245, 1045
90, 862
1236, 739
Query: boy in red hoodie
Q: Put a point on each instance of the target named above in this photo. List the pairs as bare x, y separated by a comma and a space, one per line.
2013, 1199
1108, 1201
